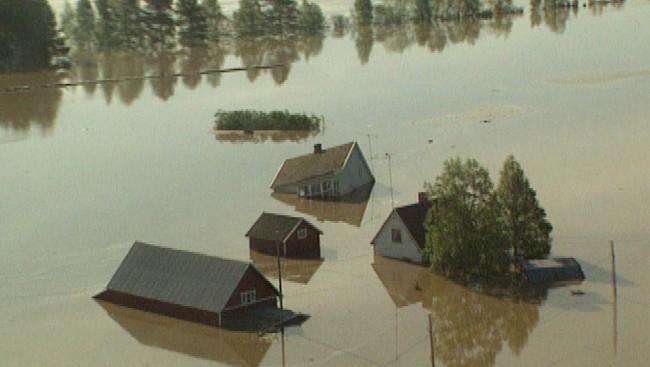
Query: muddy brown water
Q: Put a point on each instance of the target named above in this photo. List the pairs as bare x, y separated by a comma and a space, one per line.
88, 170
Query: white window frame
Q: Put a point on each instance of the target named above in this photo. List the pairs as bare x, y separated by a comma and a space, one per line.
396, 235
302, 233
248, 297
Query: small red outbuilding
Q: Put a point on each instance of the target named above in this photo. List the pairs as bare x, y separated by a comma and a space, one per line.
290, 236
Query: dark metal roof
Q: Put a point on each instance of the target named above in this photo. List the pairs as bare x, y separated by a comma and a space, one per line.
552, 270
413, 217
275, 227
178, 277
298, 169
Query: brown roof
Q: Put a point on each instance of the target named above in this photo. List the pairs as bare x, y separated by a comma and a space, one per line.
304, 167
413, 217
276, 227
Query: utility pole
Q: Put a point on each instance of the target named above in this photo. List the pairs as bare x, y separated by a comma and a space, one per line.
614, 297
433, 359
390, 177
277, 253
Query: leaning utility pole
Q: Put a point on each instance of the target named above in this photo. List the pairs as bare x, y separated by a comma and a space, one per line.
390, 177
433, 358
614, 296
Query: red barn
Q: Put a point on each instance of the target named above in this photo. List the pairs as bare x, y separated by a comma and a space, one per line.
189, 286
291, 236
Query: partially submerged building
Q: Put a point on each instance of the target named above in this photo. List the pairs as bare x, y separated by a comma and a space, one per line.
554, 270
325, 173
188, 286
403, 236
284, 235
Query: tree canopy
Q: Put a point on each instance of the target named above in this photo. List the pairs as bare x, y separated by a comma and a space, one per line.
527, 231
463, 231
471, 227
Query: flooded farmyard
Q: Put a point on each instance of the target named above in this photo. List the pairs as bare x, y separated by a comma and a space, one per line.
89, 169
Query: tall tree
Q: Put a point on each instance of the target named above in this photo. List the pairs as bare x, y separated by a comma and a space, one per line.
192, 23
310, 19
422, 11
363, 12
159, 21
215, 19
281, 16
527, 231
68, 20
28, 35
84, 34
130, 24
464, 237
249, 20
107, 25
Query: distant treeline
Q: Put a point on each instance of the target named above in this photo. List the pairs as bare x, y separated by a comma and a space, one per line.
155, 25
248, 120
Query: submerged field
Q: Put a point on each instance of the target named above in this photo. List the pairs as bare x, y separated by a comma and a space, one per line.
86, 171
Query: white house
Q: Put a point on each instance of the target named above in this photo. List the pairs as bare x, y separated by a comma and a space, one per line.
333, 172
402, 236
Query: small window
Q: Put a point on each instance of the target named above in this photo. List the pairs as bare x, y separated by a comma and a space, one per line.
248, 297
302, 233
396, 235
335, 184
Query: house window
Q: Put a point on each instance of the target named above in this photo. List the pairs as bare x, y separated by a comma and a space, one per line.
304, 191
248, 297
302, 233
315, 188
326, 186
335, 184
396, 235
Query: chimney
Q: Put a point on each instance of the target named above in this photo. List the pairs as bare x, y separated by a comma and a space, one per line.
422, 198
318, 148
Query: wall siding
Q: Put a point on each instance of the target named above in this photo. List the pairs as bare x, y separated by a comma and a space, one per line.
251, 280
355, 174
307, 248
384, 245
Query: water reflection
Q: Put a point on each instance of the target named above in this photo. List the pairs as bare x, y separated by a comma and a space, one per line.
195, 340
22, 109
263, 136
555, 14
293, 270
470, 328
349, 209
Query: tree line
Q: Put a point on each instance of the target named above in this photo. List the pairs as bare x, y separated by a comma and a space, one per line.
156, 25
476, 233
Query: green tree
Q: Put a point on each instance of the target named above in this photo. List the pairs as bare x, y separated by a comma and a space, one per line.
310, 19
130, 19
281, 16
107, 25
28, 35
68, 20
214, 18
84, 33
192, 23
422, 11
159, 22
249, 20
527, 231
464, 236
363, 12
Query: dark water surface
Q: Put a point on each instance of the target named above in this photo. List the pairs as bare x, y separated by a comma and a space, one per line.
87, 170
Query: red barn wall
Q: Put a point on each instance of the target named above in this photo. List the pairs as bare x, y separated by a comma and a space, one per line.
253, 280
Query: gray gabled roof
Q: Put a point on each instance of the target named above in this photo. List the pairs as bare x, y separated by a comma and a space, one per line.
276, 227
178, 277
305, 167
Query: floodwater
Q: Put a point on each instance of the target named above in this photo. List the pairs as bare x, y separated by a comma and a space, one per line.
87, 170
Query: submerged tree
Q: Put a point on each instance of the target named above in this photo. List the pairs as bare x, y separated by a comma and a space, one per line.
107, 25
192, 23
159, 23
130, 23
526, 228
214, 19
249, 20
281, 16
363, 12
311, 19
422, 11
464, 236
28, 35
84, 33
